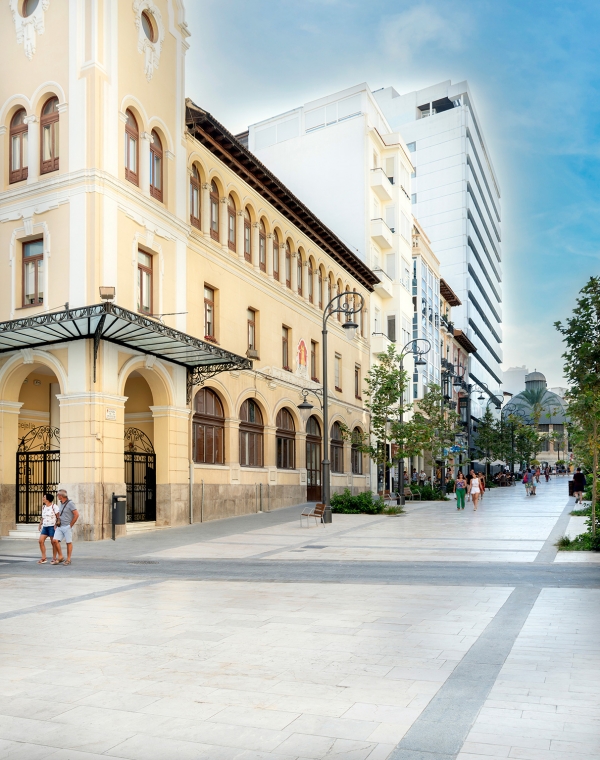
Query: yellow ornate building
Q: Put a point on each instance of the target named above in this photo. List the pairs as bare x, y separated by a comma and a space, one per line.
161, 292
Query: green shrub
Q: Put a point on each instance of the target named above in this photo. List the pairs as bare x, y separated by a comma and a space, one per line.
395, 510
584, 542
366, 503
586, 512
450, 486
563, 542
429, 493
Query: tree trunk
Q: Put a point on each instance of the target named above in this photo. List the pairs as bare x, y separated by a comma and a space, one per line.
594, 475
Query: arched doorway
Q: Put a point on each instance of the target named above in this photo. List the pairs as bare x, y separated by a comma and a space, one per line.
139, 455
313, 460
38, 449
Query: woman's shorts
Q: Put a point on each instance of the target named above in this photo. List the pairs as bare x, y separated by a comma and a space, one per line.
48, 530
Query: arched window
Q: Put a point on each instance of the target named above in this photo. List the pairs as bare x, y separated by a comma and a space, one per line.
28, 7
195, 197
286, 435
262, 246
132, 135
247, 235
337, 448
275, 256
231, 212
288, 265
49, 137
19, 160
311, 282
214, 211
340, 289
251, 434
299, 273
156, 167
209, 428
357, 458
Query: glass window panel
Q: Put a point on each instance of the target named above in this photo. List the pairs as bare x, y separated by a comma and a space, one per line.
47, 143
56, 133
40, 276
214, 216
195, 202
25, 156
30, 282
16, 153
132, 155
35, 248
157, 172
146, 290
145, 259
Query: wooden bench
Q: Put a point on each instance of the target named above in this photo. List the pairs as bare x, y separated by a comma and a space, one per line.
408, 494
317, 512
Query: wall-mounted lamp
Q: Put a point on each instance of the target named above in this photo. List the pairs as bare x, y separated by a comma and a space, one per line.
107, 292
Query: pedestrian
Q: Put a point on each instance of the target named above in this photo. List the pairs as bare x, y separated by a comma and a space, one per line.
532, 481
482, 484
460, 487
475, 489
47, 525
422, 477
538, 474
547, 473
579, 484
66, 519
468, 479
414, 476
526, 482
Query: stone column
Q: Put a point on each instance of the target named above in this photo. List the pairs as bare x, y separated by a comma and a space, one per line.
294, 272
33, 148
205, 208
239, 234
171, 431
145, 140
270, 247
223, 223
305, 276
9, 437
255, 245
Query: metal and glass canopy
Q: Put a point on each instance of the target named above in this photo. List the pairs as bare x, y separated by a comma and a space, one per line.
107, 321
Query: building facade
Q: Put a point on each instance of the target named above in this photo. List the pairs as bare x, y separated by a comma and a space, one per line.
456, 197
162, 291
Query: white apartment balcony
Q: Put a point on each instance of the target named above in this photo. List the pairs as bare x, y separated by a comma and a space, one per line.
381, 184
381, 234
379, 343
385, 286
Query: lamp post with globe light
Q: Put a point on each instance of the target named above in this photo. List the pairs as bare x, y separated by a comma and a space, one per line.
347, 304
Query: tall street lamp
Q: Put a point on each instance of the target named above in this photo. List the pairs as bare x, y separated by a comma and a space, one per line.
418, 354
347, 304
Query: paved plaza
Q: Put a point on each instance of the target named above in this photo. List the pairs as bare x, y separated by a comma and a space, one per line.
433, 635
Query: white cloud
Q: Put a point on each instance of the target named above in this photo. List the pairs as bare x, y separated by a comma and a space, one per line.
425, 26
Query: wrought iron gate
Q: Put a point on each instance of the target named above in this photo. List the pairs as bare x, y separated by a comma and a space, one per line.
38, 471
140, 476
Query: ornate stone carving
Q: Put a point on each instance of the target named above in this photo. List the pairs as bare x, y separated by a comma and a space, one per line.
29, 27
150, 50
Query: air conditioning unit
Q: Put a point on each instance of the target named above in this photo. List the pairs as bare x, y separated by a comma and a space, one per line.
252, 353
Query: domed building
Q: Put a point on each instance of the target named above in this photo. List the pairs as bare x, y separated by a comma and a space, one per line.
550, 409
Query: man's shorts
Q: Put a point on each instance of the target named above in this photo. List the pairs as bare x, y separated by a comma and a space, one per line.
48, 530
64, 531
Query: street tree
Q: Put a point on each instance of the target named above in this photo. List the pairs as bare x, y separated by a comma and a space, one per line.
489, 443
434, 427
581, 334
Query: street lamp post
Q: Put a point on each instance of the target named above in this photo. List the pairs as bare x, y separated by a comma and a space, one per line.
419, 361
344, 304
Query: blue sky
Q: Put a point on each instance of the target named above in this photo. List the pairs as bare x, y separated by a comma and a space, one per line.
533, 69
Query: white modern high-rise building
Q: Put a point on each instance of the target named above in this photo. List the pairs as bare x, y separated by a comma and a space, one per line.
456, 197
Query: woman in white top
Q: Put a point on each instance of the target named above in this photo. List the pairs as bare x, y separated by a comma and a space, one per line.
475, 488
47, 525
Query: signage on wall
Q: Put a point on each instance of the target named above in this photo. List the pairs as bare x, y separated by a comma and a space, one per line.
111, 414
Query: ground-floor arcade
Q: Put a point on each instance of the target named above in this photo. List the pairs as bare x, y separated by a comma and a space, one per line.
235, 445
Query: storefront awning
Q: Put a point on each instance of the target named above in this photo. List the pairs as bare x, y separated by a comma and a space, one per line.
107, 321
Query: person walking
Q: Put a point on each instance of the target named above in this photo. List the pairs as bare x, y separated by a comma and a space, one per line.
468, 479
579, 484
538, 474
527, 482
475, 489
422, 477
460, 487
66, 519
532, 481
547, 473
47, 525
